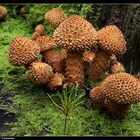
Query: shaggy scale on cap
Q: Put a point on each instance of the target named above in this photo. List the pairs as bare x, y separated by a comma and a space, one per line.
55, 59
40, 73
117, 67
112, 40
56, 81
40, 29
45, 43
98, 65
3, 13
121, 88
88, 56
23, 51
55, 16
75, 33
74, 69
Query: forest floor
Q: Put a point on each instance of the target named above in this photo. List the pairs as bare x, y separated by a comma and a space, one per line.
32, 113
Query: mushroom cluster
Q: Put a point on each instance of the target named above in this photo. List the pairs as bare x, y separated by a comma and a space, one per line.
74, 54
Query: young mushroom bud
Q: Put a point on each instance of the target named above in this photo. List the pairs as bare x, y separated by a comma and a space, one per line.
3, 13
40, 73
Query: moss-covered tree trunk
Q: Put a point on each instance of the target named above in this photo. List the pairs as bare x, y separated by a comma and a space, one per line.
127, 18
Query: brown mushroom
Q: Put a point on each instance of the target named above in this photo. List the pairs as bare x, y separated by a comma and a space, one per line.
40, 29
75, 34
23, 51
56, 82
3, 13
118, 91
111, 40
55, 16
40, 73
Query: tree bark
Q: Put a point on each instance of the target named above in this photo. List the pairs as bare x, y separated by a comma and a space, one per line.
127, 18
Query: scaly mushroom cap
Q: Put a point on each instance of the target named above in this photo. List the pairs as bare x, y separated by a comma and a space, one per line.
74, 69
40, 73
40, 29
3, 13
117, 67
121, 88
56, 81
75, 33
55, 59
88, 56
23, 51
55, 16
98, 65
35, 35
112, 40
45, 43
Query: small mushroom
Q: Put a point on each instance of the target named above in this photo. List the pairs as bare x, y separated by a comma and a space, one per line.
55, 16
3, 13
56, 81
24, 10
40, 29
35, 35
40, 73
23, 51
111, 40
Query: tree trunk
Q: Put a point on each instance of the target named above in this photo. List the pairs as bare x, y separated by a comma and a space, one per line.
127, 18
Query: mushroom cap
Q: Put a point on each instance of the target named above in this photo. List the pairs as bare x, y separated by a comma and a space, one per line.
55, 16
24, 10
35, 35
23, 51
117, 67
55, 59
40, 29
3, 12
112, 40
40, 73
56, 81
121, 88
45, 43
75, 33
